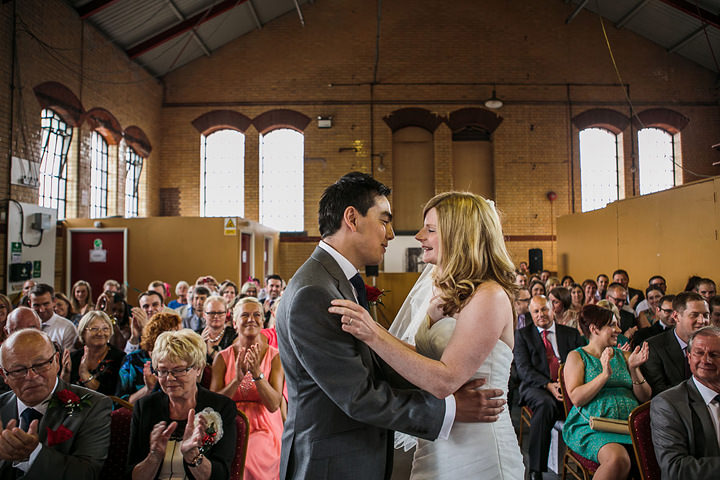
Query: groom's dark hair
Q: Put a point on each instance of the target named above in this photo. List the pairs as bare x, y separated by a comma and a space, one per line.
354, 189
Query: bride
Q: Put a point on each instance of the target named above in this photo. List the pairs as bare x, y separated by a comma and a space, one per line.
466, 333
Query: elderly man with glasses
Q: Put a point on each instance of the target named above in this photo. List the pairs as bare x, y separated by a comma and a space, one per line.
49, 429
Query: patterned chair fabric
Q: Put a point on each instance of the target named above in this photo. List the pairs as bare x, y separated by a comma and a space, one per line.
584, 466
641, 435
116, 462
237, 468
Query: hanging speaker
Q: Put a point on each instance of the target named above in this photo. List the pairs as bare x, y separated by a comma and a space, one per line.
535, 260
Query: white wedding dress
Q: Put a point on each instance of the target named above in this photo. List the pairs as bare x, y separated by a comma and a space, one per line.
473, 450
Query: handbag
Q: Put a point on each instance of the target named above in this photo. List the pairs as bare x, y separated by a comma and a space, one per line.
608, 425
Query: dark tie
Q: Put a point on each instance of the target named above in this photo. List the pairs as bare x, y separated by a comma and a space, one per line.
359, 285
553, 361
27, 416
688, 373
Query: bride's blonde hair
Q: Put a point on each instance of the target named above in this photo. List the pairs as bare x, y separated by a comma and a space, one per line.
472, 248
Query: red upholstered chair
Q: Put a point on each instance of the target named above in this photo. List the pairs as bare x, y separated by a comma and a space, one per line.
237, 469
116, 462
641, 435
206, 377
575, 464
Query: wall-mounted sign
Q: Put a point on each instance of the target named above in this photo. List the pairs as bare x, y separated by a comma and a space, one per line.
230, 227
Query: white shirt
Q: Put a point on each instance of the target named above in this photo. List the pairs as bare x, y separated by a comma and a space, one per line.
552, 338
708, 396
42, 408
350, 271
62, 331
641, 306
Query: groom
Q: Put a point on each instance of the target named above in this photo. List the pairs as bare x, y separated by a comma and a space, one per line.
343, 400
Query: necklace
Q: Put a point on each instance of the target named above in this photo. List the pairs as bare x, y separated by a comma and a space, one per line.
217, 339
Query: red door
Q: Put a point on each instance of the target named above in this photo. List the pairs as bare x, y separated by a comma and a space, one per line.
245, 257
96, 256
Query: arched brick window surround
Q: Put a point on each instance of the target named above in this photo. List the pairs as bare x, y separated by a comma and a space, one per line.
666, 119
138, 141
211, 122
474, 117
281, 118
105, 123
605, 118
413, 117
57, 97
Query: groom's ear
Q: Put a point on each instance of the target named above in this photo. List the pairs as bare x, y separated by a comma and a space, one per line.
350, 218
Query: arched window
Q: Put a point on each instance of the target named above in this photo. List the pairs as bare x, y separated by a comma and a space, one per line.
56, 135
133, 168
222, 174
281, 180
98, 176
656, 149
599, 168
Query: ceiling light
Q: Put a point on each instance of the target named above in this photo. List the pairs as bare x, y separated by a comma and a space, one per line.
493, 102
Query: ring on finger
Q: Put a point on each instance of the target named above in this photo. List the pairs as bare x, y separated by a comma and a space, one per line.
350, 322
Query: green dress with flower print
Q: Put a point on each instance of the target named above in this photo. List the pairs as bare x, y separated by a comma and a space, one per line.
615, 400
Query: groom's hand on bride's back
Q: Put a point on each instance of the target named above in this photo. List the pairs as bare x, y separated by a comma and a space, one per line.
476, 404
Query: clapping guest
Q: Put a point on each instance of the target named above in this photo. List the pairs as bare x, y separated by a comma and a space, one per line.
184, 430
250, 373
648, 317
96, 366
216, 335
82, 297
603, 381
136, 377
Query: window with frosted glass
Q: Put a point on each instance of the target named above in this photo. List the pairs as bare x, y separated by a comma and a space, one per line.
98, 176
222, 174
599, 173
657, 160
133, 168
56, 136
281, 180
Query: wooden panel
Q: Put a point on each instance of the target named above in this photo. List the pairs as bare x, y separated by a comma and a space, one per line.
413, 177
473, 168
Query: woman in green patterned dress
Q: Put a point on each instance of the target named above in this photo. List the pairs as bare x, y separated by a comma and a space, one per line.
603, 381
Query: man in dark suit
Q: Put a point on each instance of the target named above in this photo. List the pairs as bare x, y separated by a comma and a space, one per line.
43, 435
539, 350
343, 401
617, 294
663, 320
667, 364
685, 436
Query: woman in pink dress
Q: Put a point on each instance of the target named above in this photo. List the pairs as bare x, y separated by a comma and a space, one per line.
249, 372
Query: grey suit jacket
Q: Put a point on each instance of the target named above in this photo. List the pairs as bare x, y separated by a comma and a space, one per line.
81, 456
342, 404
665, 366
683, 434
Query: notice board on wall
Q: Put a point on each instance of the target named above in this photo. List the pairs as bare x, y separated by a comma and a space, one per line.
96, 255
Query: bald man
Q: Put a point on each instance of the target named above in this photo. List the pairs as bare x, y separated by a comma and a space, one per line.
38, 436
22, 317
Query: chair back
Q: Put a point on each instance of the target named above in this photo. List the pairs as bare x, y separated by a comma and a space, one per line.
641, 434
206, 377
116, 461
567, 403
237, 469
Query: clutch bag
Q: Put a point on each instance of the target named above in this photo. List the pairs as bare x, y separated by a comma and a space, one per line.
609, 425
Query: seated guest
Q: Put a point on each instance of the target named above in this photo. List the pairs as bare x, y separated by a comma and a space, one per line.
216, 335
228, 290
622, 340
5, 309
115, 307
692, 283
81, 297
603, 381
250, 373
151, 303
577, 294
537, 288
715, 311
559, 300
657, 281
23, 298
617, 294
522, 308
171, 434
551, 283
22, 317
64, 308
602, 283
685, 436
249, 289
544, 276
706, 289
181, 291
647, 317
96, 366
59, 329
667, 365
567, 281
590, 287
635, 296
663, 320
191, 314
520, 280
54, 440
540, 348
136, 377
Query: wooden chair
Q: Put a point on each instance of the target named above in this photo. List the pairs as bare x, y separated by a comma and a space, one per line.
641, 435
123, 403
525, 417
579, 467
237, 469
116, 462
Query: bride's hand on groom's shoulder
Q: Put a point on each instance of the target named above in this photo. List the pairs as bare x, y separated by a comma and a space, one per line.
355, 320
476, 404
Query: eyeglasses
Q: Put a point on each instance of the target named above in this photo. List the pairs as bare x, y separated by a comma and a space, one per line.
666, 310
215, 314
526, 300
618, 299
176, 372
38, 368
95, 330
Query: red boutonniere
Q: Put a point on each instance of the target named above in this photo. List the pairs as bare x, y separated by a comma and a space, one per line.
374, 295
60, 435
70, 401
